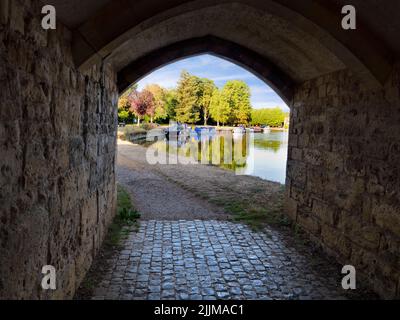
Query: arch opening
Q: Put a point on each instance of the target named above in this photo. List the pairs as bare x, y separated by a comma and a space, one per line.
253, 62
265, 151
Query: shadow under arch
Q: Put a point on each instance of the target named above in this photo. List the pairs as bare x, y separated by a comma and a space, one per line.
244, 57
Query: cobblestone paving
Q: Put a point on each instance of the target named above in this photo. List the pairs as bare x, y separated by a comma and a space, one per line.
208, 260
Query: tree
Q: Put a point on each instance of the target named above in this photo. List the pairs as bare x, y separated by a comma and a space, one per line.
274, 117
188, 94
171, 102
124, 112
219, 108
237, 94
123, 115
159, 94
141, 103
207, 88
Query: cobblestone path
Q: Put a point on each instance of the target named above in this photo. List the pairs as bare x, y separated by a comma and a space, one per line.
208, 260
186, 249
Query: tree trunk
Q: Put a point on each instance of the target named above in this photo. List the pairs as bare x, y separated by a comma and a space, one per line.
138, 121
217, 123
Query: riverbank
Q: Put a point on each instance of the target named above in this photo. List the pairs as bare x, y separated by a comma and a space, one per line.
134, 132
204, 192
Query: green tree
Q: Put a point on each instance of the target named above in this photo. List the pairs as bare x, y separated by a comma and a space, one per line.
237, 94
207, 88
220, 109
273, 117
189, 95
124, 113
171, 102
159, 112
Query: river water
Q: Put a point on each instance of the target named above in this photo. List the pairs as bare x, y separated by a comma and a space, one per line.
267, 156
262, 155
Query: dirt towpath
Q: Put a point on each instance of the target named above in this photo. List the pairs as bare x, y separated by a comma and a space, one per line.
155, 196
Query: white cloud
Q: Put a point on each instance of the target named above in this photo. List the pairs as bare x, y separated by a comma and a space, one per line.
236, 76
270, 104
219, 70
264, 89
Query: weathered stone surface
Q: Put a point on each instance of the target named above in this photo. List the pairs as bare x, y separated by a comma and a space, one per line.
57, 188
57, 146
350, 169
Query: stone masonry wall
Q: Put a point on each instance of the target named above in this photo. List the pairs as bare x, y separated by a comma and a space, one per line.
343, 184
57, 156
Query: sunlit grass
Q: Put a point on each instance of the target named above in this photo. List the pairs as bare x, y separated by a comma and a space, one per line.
126, 217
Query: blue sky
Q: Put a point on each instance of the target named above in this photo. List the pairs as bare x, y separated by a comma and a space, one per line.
219, 70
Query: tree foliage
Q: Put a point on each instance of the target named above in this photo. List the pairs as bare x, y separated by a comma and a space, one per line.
207, 88
159, 111
171, 102
237, 94
220, 109
197, 100
141, 103
274, 117
124, 112
189, 98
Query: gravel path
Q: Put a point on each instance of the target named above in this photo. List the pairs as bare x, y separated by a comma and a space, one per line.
155, 197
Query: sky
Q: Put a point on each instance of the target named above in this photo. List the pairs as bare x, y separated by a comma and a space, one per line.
219, 70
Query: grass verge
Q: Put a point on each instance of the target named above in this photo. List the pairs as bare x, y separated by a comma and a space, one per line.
255, 214
125, 221
126, 218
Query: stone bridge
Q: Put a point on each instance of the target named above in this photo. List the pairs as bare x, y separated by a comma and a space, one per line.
58, 119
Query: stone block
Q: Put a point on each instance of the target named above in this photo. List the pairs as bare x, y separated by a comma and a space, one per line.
296, 154
387, 216
291, 208
359, 231
333, 161
313, 157
306, 220
17, 22
390, 244
4, 11
325, 212
301, 196
297, 171
330, 237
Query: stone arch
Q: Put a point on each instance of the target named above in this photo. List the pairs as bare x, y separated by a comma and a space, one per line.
58, 124
246, 58
101, 35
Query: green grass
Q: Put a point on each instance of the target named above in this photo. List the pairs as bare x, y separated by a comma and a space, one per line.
251, 212
126, 217
256, 216
245, 207
125, 221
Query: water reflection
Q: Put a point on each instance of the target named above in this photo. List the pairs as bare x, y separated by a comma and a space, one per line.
258, 154
268, 157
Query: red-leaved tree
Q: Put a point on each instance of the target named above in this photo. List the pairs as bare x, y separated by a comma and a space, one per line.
141, 103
